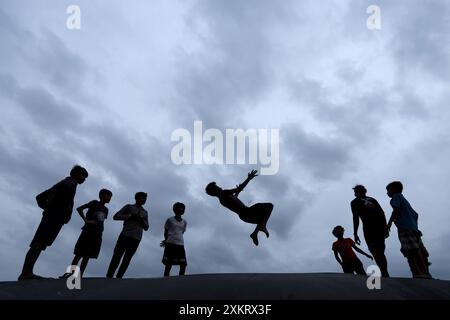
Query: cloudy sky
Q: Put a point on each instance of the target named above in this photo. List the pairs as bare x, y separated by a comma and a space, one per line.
352, 105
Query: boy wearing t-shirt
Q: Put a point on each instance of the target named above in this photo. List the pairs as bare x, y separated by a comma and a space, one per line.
344, 248
173, 243
135, 221
406, 221
90, 240
57, 203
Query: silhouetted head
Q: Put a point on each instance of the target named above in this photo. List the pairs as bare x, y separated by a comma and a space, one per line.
360, 191
393, 188
141, 198
338, 232
105, 195
213, 189
79, 174
178, 208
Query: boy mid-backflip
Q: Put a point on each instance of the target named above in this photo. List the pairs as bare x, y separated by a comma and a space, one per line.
258, 214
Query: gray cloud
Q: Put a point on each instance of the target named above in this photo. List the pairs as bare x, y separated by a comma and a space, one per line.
325, 158
363, 119
417, 43
231, 72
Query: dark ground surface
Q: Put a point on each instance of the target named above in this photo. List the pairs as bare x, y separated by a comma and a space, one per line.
312, 286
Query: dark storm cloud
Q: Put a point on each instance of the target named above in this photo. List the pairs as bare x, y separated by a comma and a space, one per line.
349, 73
233, 68
359, 119
326, 158
416, 34
10, 29
45, 110
289, 196
135, 161
232, 72
421, 38
359, 116
58, 64
43, 54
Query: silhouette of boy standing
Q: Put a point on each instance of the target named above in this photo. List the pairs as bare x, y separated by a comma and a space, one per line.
406, 221
374, 226
57, 203
90, 240
174, 252
343, 247
135, 220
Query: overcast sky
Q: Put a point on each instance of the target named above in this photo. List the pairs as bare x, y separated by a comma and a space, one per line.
353, 105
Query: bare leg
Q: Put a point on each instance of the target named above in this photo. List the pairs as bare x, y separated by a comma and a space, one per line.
75, 260
254, 236
30, 259
83, 265
167, 270
359, 269
381, 261
71, 271
182, 270
258, 214
262, 226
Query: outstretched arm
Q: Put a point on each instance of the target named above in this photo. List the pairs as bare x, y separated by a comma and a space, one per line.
337, 258
355, 224
145, 220
362, 252
166, 234
394, 216
240, 187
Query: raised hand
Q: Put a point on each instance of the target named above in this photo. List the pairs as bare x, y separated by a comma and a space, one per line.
252, 174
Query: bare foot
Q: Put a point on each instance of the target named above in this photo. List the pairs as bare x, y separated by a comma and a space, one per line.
254, 237
29, 277
66, 275
264, 229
